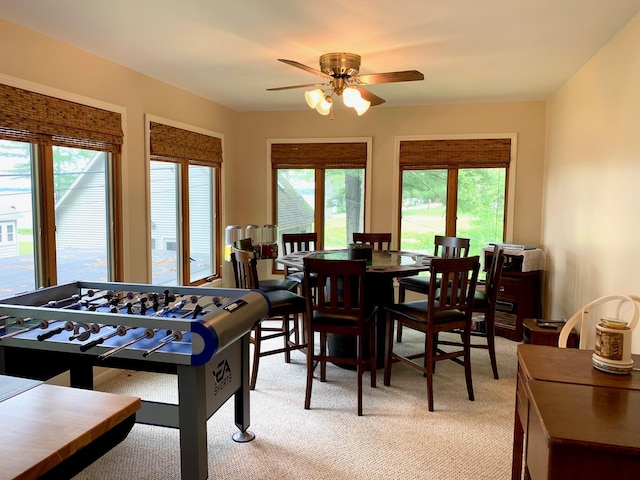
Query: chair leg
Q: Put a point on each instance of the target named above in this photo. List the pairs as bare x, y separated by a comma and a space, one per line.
435, 351
491, 344
257, 332
492, 356
373, 364
360, 372
388, 349
299, 333
429, 364
401, 296
310, 350
287, 333
323, 353
467, 362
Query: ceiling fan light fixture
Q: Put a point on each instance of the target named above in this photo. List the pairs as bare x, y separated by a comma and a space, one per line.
314, 97
324, 107
341, 72
351, 96
362, 106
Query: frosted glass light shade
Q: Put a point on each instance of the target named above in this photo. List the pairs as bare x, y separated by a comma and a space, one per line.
314, 97
351, 96
362, 106
324, 107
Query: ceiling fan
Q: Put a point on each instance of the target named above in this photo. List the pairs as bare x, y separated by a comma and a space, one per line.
341, 71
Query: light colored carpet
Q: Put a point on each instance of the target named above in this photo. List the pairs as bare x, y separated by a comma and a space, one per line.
396, 438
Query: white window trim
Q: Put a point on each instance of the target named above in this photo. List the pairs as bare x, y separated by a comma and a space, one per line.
4, 234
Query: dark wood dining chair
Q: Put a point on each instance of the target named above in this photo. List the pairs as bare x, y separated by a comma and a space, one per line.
271, 284
484, 302
297, 242
285, 308
443, 246
379, 241
445, 310
337, 307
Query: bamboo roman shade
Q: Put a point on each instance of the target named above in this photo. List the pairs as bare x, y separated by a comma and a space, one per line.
32, 117
319, 155
171, 144
475, 153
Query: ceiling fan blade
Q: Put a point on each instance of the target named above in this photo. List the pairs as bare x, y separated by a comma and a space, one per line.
389, 77
298, 86
367, 95
293, 63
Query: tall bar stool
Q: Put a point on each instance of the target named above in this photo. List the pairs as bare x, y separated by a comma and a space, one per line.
337, 307
286, 307
446, 309
445, 247
485, 302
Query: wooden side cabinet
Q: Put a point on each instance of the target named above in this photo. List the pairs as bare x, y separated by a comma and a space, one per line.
536, 335
519, 297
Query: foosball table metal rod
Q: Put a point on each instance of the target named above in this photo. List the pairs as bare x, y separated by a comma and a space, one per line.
173, 337
120, 331
148, 333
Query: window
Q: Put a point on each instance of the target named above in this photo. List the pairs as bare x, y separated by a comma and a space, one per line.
320, 187
184, 175
7, 235
58, 177
455, 188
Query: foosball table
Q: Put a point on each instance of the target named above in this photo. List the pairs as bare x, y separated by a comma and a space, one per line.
200, 334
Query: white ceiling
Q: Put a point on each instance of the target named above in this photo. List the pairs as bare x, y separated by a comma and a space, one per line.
226, 50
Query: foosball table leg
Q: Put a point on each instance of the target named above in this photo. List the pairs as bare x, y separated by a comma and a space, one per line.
81, 375
241, 397
192, 414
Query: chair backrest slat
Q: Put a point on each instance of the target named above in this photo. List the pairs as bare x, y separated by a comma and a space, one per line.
299, 242
450, 247
340, 287
453, 284
245, 268
379, 241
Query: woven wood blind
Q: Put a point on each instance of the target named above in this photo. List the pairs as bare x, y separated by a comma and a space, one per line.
419, 154
318, 155
33, 117
171, 144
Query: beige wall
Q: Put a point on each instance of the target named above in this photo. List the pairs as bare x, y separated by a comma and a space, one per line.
383, 125
32, 57
592, 179
29, 56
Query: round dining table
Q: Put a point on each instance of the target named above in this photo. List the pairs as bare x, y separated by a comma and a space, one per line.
383, 268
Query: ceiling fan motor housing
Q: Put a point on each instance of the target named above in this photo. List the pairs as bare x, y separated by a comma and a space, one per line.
340, 64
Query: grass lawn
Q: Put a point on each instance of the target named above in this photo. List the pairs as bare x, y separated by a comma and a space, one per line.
419, 225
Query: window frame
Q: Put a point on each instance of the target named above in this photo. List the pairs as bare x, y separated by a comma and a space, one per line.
451, 224
42, 165
183, 244
319, 201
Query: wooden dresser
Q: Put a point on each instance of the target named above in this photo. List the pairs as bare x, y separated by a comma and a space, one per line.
519, 297
573, 421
